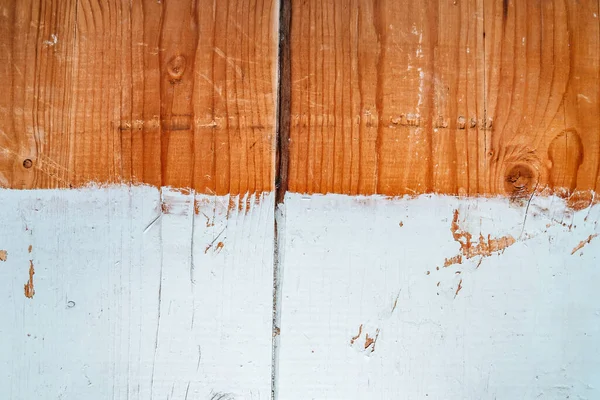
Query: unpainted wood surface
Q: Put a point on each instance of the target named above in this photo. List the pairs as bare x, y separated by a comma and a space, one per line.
446, 96
392, 97
172, 93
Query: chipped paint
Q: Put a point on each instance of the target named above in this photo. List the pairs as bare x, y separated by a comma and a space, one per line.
453, 333
583, 243
3, 255
485, 247
28, 287
357, 335
123, 295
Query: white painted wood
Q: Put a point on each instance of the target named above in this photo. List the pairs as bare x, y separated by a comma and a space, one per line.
524, 325
148, 294
128, 303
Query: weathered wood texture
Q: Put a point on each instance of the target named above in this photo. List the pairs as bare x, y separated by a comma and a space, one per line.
392, 97
448, 96
172, 93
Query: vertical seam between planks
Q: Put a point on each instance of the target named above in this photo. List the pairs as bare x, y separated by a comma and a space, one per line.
282, 135
283, 101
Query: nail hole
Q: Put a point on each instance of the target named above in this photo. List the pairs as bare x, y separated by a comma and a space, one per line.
27, 163
70, 304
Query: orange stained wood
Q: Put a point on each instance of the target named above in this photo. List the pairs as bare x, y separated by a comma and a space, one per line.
447, 96
177, 93
384, 96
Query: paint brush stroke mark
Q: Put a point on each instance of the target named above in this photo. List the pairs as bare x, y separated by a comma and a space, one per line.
583, 243
3, 255
485, 247
28, 287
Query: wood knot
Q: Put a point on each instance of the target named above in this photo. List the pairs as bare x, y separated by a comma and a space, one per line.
176, 68
520, 181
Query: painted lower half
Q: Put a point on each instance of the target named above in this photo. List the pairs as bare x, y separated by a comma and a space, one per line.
134, 295
437, 297
139, 293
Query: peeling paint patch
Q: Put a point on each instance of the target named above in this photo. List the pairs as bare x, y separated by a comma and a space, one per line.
370, 342
485, 247
357, 335
28, 287
457, 259
3, 255
583, 243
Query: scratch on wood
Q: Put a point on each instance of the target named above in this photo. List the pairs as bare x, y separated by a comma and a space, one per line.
28, 287
583, 243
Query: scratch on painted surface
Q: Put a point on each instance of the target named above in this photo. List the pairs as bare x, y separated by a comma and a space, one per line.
583, 243
395, 302
458, 289
3, 255
28, 287
485, 247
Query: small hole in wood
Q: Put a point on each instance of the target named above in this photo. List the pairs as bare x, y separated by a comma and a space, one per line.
28, 163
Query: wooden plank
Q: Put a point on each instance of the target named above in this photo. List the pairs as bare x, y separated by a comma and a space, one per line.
382, 96
134, 293
36, 82
166, 93
455, 97
438, 297
235, 96
542, 79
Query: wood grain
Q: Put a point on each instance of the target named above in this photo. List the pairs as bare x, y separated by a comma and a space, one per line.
392, 97
172, 93
456, 97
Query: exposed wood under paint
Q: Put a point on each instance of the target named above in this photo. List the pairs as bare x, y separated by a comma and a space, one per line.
370, 312
135, 291
152, 294
133, 302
